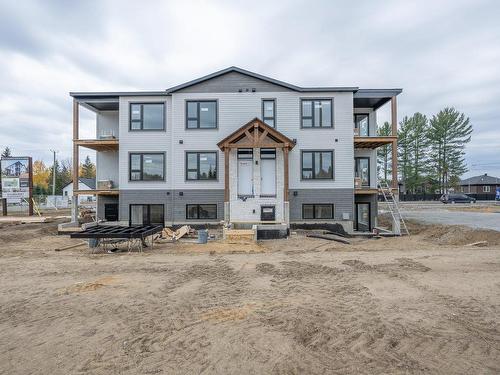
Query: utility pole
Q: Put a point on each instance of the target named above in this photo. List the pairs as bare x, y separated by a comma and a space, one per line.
54, 173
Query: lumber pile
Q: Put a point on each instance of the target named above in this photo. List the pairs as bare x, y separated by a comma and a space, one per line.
171, 235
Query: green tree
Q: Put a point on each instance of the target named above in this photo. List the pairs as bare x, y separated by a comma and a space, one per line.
63, 176
405, 149
384, 153
6, 153
87, 169
419, 139
449, 131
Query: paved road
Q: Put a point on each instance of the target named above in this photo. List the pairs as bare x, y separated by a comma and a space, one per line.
484, 220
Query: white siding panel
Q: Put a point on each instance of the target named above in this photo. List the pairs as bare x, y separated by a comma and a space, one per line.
236, 109
143, 141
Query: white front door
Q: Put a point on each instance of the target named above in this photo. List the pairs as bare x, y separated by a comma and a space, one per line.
245, 177
268, 177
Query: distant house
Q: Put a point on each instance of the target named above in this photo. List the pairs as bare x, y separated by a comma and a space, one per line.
83, 184
482, 184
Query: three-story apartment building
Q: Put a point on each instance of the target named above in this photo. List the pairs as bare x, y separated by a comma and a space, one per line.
238, 147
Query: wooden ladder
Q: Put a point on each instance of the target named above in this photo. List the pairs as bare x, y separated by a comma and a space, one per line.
392, 203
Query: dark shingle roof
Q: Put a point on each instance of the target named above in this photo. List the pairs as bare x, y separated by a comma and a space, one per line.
483, 179
90, 182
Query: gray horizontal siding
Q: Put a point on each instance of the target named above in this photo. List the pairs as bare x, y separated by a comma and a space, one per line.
174, 204
342, 199
101, 201
232, 82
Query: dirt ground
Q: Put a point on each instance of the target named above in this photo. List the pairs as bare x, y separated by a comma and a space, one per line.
423, 304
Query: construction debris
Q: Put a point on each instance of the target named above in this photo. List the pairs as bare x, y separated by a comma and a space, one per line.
70, 246
478, 244
329, 237
178, 234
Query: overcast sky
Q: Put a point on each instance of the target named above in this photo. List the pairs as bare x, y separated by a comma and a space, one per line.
442, 53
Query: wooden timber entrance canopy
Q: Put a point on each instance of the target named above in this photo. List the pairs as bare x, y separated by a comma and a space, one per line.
256, 134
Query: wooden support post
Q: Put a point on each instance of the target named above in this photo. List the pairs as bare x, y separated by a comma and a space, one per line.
394, 118
4, 206
226, 174
76, 161
30, 191
285, 174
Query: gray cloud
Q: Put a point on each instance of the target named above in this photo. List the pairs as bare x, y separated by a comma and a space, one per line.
442, 53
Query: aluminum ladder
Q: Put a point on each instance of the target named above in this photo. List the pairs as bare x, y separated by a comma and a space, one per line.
392, 203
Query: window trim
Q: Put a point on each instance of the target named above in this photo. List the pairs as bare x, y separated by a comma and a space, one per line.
312, 168
274, 111
312, 99
486, 189
356, 158
367, 118
314, 211
198, 179
198, 211
149, 212
186, 118
164, 128
142, 153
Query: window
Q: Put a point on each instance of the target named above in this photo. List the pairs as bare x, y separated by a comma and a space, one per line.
486, 189
362, 170
317, 165
201, 211
147, 116
201, 165
362, 124
269, 112
146, 214
317, 113
147, 167
317, 211
201, 114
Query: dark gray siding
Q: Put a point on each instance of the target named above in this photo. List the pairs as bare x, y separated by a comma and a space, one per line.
342, 199
175, 204
101, 201
373, 200
197, 197
232, 82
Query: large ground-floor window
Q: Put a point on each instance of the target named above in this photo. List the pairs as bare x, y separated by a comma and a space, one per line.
317, 211
146, 214
201, 211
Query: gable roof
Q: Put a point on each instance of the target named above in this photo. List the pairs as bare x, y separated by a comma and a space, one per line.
258, 125
258, 76
90, 182
483, 179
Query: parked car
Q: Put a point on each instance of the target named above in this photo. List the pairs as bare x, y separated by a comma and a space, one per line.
457, 198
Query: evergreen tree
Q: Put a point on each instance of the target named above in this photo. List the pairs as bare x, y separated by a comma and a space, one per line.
448, 133
6, 153
405, 149
384, 153
87, 169
420, 147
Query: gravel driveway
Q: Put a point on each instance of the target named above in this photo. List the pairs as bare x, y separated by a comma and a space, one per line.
485, 220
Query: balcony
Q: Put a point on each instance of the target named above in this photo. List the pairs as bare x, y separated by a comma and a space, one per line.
104, 187
108, 144
372, 142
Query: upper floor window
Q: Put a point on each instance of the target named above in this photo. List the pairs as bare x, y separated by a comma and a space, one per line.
317, 113
362, 124
201, 165
147, 116
269, 112
362, 170
201, 114
317, 165
147, 166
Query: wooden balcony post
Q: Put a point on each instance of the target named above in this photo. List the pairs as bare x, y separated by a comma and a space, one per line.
76, 162
394, 118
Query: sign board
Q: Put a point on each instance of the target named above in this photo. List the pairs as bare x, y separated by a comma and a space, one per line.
16, 177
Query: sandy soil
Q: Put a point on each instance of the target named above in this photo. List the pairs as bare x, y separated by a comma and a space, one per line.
424, 304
